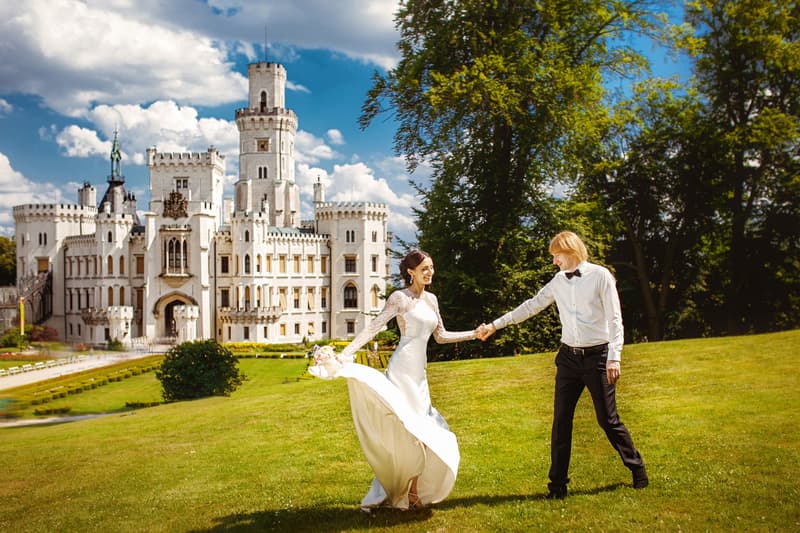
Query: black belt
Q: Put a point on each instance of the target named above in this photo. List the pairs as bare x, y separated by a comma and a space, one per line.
587, 351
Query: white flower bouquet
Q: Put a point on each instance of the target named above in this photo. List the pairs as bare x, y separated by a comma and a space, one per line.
326, 362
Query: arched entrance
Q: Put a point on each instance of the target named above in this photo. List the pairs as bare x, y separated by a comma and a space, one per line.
170, 327
164, 312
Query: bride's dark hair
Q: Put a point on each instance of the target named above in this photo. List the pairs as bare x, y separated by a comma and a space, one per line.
411, 260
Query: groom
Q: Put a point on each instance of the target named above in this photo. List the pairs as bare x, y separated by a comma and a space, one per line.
589, 357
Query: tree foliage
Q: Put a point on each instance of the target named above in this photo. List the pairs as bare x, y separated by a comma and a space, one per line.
747, 66
8, 261
501, 98
198, 369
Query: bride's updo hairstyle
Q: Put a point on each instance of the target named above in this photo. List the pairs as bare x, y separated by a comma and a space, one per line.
412, 261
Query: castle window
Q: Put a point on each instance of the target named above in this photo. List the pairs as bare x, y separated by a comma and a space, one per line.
310, 298
351, 327
263, 173
282, 264
310, 328
247, 264
122, 296
350, 236
140, 264
283, 330
246, 333
374, 263
246, 236
323, 264
110, 237
224, 264
224, 298
110, 264
375, 293
282, 297
181, 184
177, 255
42, 264
324, 327
263, 104
111, 296
268, 261
350, 264
122, 265
258, 296
296, 299
350, 297
297, 329
374, 236
262, 145
323, 297
258, 263
247, 297
310, 266
297, 264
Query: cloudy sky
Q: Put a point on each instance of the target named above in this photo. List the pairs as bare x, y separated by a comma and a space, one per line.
171, 74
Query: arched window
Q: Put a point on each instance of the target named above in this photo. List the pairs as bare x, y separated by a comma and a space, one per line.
258, 263
247, 264
263, 101
110, 237
247, 297
110, 265
246, 236
350, 297
375, 293
122, 266
177, 255
122, 296
111, 296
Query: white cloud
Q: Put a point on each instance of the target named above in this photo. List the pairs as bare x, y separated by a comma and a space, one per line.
292, 86
310, 149
16, 189
357, 182
5, 107
163, 124
75, 54
335, 136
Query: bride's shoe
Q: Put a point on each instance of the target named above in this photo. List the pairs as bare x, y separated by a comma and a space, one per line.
414, 502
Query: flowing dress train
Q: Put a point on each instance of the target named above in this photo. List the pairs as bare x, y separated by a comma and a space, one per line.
402, 435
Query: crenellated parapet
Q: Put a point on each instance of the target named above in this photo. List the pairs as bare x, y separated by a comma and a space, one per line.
360, 210
212, 157
59, 212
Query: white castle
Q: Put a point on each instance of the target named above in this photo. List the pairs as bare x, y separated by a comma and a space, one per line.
200, 266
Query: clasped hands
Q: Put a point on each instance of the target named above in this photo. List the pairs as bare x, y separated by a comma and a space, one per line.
484, 331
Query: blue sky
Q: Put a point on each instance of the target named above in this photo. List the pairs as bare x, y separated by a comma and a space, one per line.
171, 74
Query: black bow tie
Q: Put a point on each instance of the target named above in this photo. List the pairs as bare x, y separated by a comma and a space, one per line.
576, 272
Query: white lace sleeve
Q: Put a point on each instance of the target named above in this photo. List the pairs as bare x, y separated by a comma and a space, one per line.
389, 311
443, 336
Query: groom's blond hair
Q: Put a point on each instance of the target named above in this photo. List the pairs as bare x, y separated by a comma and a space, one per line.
567, 242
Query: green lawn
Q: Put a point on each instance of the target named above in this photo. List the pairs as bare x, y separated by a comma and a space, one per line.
715, 419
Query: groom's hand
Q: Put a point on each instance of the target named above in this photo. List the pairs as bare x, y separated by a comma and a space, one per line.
612, 371
485, 331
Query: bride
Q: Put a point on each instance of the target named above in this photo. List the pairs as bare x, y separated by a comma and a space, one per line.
406, 441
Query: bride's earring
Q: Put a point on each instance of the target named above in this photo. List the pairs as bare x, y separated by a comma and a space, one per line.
412, 280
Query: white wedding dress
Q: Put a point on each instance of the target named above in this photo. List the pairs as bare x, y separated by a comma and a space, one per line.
403, 437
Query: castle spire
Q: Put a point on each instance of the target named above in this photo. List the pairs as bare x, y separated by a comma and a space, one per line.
116, 160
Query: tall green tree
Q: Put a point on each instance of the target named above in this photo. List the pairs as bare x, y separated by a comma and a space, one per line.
658, 179
502, 98
747, 65
8, 261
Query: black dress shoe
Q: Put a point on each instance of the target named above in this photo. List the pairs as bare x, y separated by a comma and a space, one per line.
640, 480
557, 493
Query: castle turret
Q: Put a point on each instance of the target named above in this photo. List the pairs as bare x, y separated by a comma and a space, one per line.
266, 153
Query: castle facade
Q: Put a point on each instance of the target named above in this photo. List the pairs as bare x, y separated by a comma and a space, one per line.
197, 265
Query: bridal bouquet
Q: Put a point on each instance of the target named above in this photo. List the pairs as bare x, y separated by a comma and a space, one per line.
326, 362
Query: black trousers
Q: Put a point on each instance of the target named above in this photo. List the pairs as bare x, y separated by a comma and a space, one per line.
574, 373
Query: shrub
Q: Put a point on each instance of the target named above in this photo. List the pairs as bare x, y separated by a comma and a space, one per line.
198, 369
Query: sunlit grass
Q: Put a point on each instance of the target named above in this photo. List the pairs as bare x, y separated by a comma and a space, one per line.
715, 419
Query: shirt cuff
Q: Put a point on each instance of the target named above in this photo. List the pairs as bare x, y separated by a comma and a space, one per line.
614, 355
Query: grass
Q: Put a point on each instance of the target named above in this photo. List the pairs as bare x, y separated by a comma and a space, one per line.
715, 419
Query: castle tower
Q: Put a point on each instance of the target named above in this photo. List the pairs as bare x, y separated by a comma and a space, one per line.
266, 149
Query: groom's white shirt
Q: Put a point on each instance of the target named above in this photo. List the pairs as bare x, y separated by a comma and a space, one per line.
588, 307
